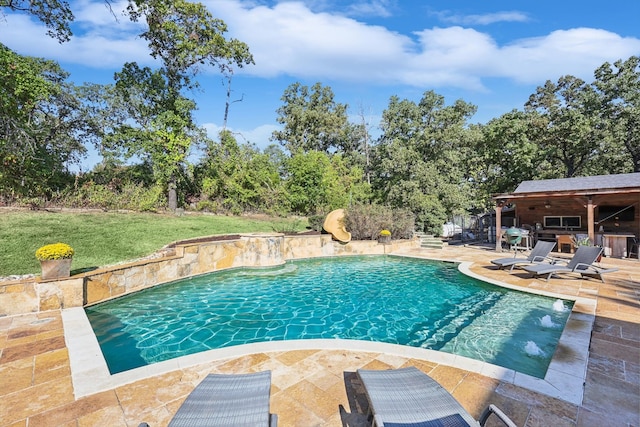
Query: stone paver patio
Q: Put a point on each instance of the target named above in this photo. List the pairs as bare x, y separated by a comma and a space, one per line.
317, 386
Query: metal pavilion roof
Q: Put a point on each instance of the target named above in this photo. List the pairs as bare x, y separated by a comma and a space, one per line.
599, 184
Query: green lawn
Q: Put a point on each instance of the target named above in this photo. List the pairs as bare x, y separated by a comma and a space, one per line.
107, 238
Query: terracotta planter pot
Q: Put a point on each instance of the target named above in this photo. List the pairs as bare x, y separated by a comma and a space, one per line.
55, 268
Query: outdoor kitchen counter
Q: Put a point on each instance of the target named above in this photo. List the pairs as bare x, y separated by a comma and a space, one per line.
615, 244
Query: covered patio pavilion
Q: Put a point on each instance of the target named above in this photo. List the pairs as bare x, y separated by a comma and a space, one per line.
605, 208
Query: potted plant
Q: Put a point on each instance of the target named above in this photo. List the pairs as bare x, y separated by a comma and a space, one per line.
580, 240
384, 237
55, 260
583, 240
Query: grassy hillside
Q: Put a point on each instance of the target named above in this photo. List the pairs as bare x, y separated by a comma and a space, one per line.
101, 238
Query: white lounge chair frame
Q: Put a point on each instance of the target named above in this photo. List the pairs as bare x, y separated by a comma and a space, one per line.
538, 254
581, 263
408, 396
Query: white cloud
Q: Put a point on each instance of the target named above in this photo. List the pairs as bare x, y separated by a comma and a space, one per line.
111, 47
453, 56
370, 8
90, 14
259, 135
483, 19
577, 52
290, 39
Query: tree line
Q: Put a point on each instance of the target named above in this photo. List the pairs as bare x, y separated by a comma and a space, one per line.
428, 158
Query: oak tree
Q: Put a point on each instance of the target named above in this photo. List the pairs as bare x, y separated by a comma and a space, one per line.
40, 125
185, 37
419, 160
618, 86
311, 119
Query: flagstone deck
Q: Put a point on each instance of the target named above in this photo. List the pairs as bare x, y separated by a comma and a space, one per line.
318, 387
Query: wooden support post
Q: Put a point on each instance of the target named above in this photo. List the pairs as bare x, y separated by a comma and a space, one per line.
499, 227
590, 220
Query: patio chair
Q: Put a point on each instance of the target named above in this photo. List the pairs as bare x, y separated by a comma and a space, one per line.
409, 397
538, 254
581, 263
228, 400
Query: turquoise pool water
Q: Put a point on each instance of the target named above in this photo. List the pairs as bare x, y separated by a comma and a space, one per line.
398, 300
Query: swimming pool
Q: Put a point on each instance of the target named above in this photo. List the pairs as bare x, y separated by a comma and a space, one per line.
390, 299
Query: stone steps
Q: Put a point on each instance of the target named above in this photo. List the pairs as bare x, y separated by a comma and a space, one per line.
428, 241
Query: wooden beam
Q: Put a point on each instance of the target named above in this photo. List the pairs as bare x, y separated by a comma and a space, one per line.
590, 220
554, 194
499, 227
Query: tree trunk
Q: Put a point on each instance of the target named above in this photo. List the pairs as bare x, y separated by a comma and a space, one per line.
173, 195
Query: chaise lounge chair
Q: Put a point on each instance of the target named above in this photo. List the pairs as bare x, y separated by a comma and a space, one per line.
409, 397
538, 254
581, 263
228, 400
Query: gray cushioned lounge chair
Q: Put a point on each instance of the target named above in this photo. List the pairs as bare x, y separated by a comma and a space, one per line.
409, 397
236, 400
538, 254
581, 263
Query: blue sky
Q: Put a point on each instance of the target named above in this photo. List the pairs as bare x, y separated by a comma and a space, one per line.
492, 54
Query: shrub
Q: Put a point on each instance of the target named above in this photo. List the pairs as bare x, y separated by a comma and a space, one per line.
94, 195
403, 224
316, 222
287, 227
208, 206
54, 251
150, 199
116, 195
33, 203
365, 222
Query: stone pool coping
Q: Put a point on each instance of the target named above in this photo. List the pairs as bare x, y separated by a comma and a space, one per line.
564, 378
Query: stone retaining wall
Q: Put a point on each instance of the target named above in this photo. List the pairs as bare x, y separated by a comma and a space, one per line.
180, 261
